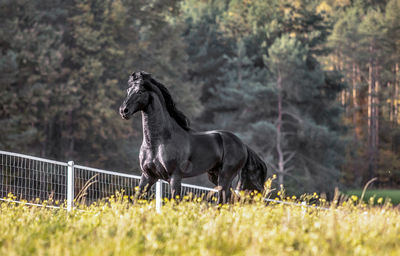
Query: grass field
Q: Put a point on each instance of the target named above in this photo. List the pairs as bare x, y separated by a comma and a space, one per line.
198, 228
392, 194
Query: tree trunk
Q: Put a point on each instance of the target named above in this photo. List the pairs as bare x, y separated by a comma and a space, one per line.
279, 132
391, 105
369, 105
377, 110
355, 104
344, 92
47, 130
239, 65
371, 117
396, 92
358, 78
71, 135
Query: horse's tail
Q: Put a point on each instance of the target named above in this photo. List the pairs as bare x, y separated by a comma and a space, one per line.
254, 173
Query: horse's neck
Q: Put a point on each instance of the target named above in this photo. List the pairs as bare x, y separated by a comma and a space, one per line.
156, 122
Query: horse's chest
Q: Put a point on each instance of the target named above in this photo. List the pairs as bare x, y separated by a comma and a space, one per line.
155, 164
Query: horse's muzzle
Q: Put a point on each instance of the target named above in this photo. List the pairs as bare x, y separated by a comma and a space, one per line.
124, 112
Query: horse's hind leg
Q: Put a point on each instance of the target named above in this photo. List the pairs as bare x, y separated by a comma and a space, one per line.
234, 158
213, 175
225, 178
175, 183
224, 184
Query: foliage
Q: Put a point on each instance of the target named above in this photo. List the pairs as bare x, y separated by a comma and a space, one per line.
191, 228
386, 194
244, 96
365, 50
64, 66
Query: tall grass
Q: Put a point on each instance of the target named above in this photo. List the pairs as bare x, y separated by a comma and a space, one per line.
392, 194
118, 227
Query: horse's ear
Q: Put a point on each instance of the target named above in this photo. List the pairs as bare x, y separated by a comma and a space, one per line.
144, 74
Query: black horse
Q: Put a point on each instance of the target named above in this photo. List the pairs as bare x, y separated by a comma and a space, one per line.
171, 150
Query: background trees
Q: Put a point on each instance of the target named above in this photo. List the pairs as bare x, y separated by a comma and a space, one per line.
64, 69
272, 90
364, 40
313, 86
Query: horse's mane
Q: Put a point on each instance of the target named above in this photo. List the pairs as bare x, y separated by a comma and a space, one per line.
176, 114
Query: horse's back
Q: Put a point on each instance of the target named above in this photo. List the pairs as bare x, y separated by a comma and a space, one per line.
230, 139
206, 152
229, 143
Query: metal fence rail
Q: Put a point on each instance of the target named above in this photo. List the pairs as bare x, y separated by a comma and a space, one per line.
188, 189
36, 179
93, 184
31, 178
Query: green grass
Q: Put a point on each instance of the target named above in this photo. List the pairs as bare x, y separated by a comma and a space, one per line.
198, 228
392, 194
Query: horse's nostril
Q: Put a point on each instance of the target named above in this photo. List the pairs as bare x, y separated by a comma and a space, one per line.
126, 110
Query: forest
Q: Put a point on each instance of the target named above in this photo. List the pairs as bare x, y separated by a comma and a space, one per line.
312, 86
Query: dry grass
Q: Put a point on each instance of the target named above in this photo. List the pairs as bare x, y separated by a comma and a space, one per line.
119, 227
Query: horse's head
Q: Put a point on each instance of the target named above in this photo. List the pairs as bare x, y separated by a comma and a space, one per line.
138, 95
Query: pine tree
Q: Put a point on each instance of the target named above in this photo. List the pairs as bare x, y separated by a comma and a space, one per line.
301, 133
206, 49
245, 97
31, 43
67, 64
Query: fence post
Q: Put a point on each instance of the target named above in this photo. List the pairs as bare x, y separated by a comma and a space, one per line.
70, 186
303, 208
158, 196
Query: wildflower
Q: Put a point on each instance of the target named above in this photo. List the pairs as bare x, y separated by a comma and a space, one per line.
354, 198
274, 176
371, 200
279, 193
380, 200
294, 197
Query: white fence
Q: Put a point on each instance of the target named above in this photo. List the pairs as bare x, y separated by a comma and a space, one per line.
36, 179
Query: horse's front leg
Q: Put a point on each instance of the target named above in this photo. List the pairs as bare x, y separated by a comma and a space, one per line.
144, 186
175, 184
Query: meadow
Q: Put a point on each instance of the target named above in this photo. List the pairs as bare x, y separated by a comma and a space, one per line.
193, 227
392, 194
